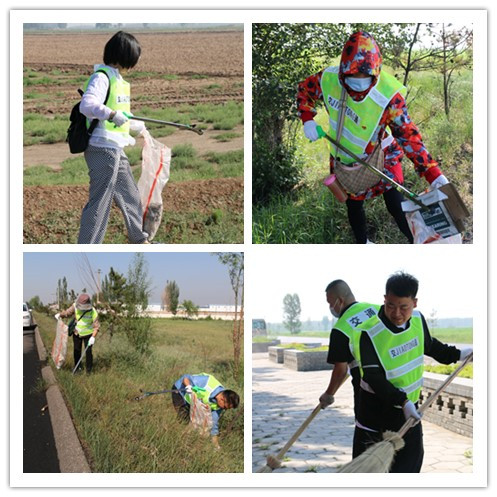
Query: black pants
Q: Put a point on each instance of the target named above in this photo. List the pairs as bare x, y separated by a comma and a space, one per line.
357, 216
409, 459
79, 343
181, 407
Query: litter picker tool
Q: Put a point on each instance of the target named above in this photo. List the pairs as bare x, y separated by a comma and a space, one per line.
274, 462
146, 394
167, 123
404, 191
379, 457
80, 359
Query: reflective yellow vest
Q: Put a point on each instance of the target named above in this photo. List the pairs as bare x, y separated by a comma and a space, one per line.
355, 315
211, 385
84, 324
401, 354
361, 118
119, 99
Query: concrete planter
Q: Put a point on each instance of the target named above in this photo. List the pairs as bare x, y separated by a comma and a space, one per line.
300, 360
453, 409
263, 346
276, 353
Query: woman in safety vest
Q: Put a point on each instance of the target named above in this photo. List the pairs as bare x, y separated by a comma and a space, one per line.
375, 123
210, 392
390, 349
87, 327
107, 98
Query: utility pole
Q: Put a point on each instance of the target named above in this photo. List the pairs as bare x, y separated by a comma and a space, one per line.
98, 289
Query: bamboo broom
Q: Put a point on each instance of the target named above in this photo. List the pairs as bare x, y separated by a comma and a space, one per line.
379, 457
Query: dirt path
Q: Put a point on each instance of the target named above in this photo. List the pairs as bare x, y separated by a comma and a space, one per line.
54, 154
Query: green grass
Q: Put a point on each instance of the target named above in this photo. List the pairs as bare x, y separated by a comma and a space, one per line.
467, 371
226, 137
42, 129
453, 335
310, 213
123, 435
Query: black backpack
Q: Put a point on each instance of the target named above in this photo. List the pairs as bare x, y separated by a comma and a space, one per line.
78, 135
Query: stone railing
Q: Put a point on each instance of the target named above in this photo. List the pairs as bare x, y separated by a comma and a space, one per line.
300, 360
276, 353
453, 409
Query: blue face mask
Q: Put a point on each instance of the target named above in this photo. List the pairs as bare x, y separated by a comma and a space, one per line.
358, 84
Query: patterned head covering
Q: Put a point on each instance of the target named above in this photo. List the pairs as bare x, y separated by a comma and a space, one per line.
361, 53
83, 303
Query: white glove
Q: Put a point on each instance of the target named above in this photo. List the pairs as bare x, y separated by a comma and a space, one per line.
91, 341
57, 316
410, 411
310, 130
326, 400
438, 182
188, 389
137, 126
465, 353
119, 118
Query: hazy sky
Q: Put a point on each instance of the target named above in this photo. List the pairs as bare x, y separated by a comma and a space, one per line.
200, 276
449, 279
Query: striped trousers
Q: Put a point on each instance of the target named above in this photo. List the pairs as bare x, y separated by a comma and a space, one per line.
110, 180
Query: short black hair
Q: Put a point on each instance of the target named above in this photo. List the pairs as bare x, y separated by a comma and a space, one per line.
232, 398
123, 49
402, 284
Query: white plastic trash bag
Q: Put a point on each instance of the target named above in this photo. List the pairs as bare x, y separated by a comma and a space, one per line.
156, 160
200, 415
59, 348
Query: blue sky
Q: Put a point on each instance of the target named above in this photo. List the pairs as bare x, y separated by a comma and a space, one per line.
200, 276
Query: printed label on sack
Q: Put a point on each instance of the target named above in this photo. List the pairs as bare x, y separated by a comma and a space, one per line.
360, 317
404, 348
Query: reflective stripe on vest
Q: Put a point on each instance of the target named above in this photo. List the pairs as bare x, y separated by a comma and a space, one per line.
211, 385
401, 354
355, 315
361, 118
84, 324
119, 99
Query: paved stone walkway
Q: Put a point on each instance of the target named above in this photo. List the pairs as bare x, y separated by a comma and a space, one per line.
284, 398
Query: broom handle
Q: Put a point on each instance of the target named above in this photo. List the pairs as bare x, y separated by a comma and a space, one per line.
411, 421
297, 434
409, 195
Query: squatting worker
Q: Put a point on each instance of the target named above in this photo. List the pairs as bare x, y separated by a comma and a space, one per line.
350, 313
87, 327
213, 394
109, 169
376, 114
390, 348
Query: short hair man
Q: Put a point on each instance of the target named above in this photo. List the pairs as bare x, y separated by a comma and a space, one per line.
212, 393
350, 313
390, 348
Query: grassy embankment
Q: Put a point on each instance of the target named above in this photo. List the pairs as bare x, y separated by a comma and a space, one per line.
188, 164
312, 215
124, 435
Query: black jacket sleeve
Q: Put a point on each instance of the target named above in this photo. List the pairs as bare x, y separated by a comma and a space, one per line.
339, 350
441, 352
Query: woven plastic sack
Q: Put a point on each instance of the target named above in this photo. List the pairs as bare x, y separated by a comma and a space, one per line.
200, 415
358, 178
59, 348
156, 161
426, 234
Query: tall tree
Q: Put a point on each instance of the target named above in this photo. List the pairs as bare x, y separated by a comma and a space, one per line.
235, 263
190, 308
170, 297
291, 313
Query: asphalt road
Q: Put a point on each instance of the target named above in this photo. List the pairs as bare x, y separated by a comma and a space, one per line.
40, 455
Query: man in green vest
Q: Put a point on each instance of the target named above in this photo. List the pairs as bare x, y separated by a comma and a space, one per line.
87, 327
368, 115
350, 313
210, 392
390, 348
